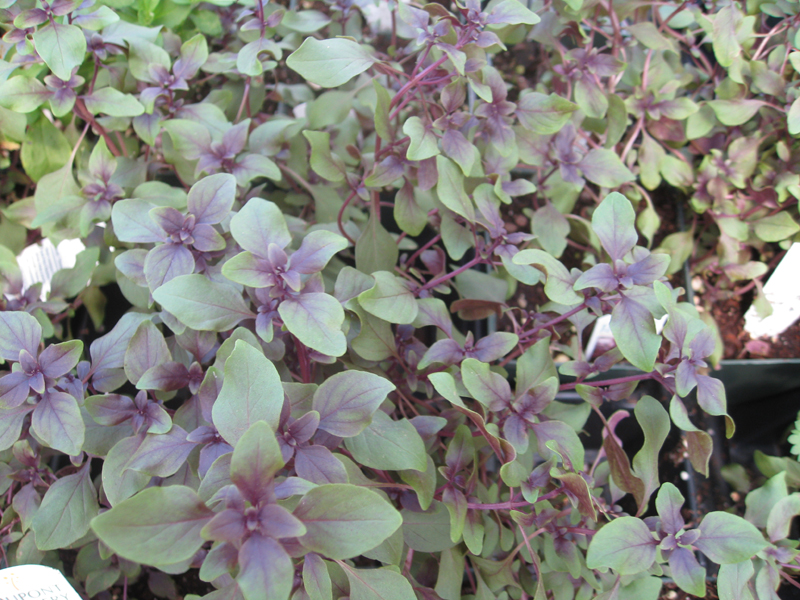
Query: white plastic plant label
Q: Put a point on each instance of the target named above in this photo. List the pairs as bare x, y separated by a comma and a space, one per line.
35, 582
783, 293
39, 262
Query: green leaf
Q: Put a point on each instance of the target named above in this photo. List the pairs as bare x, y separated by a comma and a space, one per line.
346, 401
330, 63
423, 142
384, 583
389, 445
558, 286
728, 539
44, 150
483, 384
551, 229
724, 39
316, 579
344, 520
635, 333
383, 101
625, 545
251, 391
389, 299
376, 250
62, 48
23, 94
450, 189
732, 581
323, 161
66, 511
776, 228
735, 112
316, 320
654, 421
604, 167
202, 304
543, 114
793, 117
114, 103
157, 526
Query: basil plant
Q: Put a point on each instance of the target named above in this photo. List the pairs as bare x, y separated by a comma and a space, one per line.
303, 212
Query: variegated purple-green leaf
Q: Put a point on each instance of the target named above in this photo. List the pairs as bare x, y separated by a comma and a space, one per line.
18, 331
210, 199
489, 388
57, 421
346, 401
388, 444
265, 569
317, 248
251, 391
203, 304
166, 262
625, 545
11, 420
255, 461
316, 320
728, 539
635, 333
158, 526
687, 572
345, 520
162, 454
66, 510
318, 465
258, 224
613, 222
146, 349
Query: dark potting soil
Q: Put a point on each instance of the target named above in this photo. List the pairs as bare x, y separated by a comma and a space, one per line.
729, 315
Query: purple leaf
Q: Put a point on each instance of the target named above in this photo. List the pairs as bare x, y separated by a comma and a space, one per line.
161, 455
147, 348
207, 239
256, 459
211, 198
166, 377
11, 420
194, 54
648, 269
277, 522
669, 503
169, 219
166, 262
317, 248
447, 352
635, 333
318, 465
346, 401
494, 346
711, 395
258, 224
687, 572
727, 539
57, 421
132, 222
110, 409
304, 428
108, 351
265, 569
14, 389
18, 331
613, 222
599, 276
